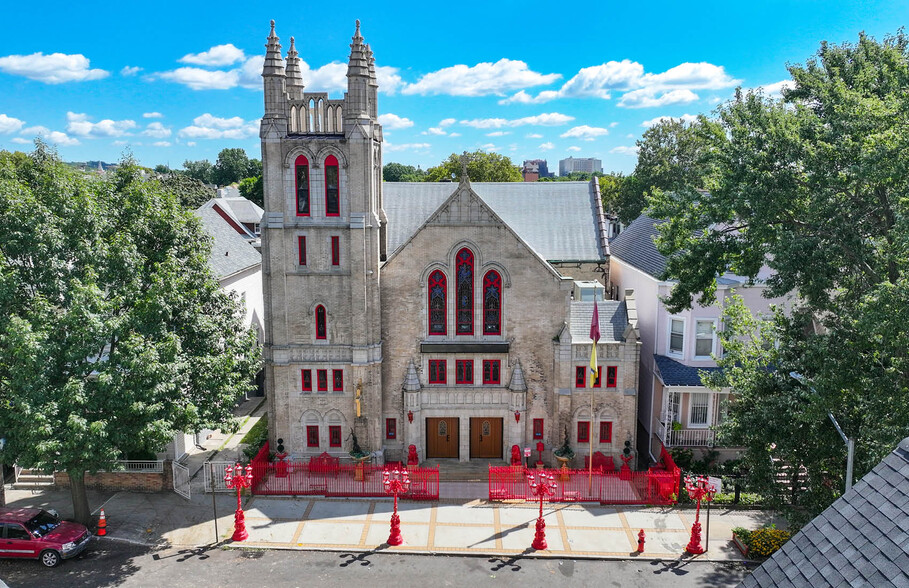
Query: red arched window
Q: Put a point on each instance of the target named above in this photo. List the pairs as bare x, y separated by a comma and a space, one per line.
332, 183
464, 304
301, 185
438, 291
492, 304
321, 329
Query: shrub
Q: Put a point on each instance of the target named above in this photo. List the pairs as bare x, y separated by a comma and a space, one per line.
764, 542
256, 437
682, 457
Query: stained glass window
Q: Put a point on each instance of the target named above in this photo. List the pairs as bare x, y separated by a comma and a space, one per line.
332, 199
492, 304
437, 304
464, 267
321, 331
302, 185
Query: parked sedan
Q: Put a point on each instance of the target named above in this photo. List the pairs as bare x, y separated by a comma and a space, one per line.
33, 533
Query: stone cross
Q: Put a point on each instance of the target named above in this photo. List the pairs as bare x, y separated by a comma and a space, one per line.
465, 158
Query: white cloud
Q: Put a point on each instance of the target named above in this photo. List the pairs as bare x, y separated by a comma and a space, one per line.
629, 136
161, 143
613, 125
498, 133
152, 115
454, 134
434, 131
775, 90
120, 143
686, 118
190, 143
534, 136
216, 56
130, 70
9, 124
55, 68
625, 150
156, 130
251, 72
647, 98
482, 79
547, 119
585, 132
208, 126
80, 125
697, 76
202, 79
447, 122
393, 121
331, 77
388, 79
20, 141
574, 148
406, 146
546, 146
490, 147
45, 133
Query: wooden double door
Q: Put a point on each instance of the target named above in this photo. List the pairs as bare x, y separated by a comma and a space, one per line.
486, 438
442, 437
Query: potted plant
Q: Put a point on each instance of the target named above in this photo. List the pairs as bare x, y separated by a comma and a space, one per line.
740, 538
358, 455
564, 454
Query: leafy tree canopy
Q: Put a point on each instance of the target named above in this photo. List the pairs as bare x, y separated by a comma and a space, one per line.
481, 167
189, 191
572, 177
252, 190
813, 186
115, 332
398, 172
200, 170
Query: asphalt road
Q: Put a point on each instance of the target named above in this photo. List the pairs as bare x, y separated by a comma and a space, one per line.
109, 564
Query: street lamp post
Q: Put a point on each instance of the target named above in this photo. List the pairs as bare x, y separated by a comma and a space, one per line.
234, 477
541, 485
394, 482
850, 443
699, 488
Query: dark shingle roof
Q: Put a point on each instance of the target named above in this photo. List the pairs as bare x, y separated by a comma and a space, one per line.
635, 246
613, 320
862, 539
230, 252
557, 219
674, 373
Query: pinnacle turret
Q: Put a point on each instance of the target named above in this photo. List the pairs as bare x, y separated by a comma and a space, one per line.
358, 64
294, 82
274, 63
358, 80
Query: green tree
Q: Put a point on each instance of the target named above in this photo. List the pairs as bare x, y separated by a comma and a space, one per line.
162, 169
398, 172
610, 186
232, 166
814, 186
482, 167
200, 170
252, 189
189, 191
115, 332
572, 177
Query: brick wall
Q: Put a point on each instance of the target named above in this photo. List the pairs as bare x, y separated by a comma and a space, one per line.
131, 481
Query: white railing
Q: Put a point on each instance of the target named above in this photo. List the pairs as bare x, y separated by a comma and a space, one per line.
134, 466
690, 438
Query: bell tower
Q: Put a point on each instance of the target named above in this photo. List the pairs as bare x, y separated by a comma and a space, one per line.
322, 240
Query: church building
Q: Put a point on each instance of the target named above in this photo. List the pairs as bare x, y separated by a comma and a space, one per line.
454, 317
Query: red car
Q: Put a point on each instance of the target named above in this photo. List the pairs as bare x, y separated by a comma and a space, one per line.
33, 533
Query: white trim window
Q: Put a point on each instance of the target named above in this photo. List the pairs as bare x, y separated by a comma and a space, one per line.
676, 336
704, 338
698, 409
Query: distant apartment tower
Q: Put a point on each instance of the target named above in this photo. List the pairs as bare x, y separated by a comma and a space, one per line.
581, 164
534, 169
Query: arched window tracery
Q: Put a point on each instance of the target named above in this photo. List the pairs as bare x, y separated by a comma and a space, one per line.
492, 303
438, 291
464, 292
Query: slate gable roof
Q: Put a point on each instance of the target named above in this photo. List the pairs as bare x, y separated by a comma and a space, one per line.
635, 246
674, 373
862, 539
613, 320
557, 219
231, 252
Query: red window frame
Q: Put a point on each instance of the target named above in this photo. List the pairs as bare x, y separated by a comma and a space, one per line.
438, 371
438, 315
612, 376
583, 431
492, 303
580, 376
331, 163
537, 428
464, 292
306, 379
492, 371
599, 379
301, 249
322, 380
312, 435
337, 380
302, 164
463, 371
336, 251
391, 428
321, 323
334, 435
605, 431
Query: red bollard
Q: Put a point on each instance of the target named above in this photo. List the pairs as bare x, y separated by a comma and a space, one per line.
641, 541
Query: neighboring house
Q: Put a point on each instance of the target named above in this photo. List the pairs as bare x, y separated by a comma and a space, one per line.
675, 408
450, 316
862, 539
241, 210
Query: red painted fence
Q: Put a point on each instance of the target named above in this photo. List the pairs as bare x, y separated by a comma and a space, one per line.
359, 480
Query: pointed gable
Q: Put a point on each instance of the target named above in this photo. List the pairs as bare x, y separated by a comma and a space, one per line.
464, 207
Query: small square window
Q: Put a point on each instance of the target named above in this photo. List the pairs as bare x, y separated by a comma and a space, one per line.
583, 431
606, 432
537, 428
322, 377
598, 381
438, 371
301, 248
312, 435
307, 380
580, 374
391, 428
612, 373
491, 371
335, 251
337, 380
334, 436
464, 371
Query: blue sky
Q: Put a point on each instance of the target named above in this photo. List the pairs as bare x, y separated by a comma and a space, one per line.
176, 81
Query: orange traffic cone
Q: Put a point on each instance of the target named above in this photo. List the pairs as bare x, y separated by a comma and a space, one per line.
102, 524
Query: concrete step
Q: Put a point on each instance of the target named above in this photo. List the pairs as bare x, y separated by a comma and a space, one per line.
33, 485
35, 480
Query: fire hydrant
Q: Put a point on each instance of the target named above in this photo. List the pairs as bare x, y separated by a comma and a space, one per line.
641, 541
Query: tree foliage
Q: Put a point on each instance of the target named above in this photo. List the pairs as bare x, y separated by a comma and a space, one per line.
481, 167
201, 170
398, 172
231, 166
115, 333
189, 191
814, 186
253, 190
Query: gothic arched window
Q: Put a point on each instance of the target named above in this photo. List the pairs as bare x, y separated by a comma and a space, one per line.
321, 329
492, 304
332, 187
301, 185
437, 304
464, 304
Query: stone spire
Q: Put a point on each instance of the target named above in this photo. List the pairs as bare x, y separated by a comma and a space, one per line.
373, 83
357, 79
274, 123
412, 380
294, 83
517, 383
465, 179
274, 64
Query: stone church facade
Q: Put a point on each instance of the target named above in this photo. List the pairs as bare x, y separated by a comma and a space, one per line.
452, 317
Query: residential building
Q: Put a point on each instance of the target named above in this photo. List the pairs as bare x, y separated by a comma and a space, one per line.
534, 169
580, 164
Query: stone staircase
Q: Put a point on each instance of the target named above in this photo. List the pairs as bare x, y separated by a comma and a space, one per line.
452, 470
33, 480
